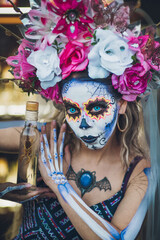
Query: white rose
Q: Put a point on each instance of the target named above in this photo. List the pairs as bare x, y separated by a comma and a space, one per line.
110, 55
47, 63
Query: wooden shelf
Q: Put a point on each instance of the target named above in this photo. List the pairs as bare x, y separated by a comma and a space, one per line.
9, 20
9, 16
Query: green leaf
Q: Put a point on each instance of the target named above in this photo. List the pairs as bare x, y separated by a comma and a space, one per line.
134, 58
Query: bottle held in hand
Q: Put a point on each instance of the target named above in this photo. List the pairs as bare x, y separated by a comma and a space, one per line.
29, 146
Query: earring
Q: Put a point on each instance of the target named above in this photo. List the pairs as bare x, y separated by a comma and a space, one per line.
126, 119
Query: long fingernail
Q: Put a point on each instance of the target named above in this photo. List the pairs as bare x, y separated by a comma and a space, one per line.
54, 122
28, 185
30, 199
41, 138
43, 128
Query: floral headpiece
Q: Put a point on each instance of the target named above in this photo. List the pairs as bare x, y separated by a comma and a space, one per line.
65, 36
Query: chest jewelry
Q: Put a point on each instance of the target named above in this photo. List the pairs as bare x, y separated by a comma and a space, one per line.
86, 180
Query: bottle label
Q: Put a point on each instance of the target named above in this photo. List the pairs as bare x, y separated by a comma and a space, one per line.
31, 115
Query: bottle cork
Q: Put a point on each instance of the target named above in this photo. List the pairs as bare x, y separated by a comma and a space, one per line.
32, 106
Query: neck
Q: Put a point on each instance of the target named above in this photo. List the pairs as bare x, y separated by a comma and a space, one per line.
109, 151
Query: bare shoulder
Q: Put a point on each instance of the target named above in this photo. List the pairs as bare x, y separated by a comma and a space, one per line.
139, 169
135, 192
139, 181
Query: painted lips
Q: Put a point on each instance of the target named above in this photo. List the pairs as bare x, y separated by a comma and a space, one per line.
89, 139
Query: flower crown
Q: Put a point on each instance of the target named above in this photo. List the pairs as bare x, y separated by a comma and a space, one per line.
65, 36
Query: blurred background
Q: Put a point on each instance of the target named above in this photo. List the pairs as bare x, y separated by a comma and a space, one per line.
12, 100
12, 112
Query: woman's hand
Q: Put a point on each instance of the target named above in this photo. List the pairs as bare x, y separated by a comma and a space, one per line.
51, 157
21, 192
47, 194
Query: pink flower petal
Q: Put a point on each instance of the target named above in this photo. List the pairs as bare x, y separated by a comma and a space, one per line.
73, 58
52, 8
52, 93
44, 21
82, 66
131, 83
63, 5
86, 19
60, 27
129, 98
72, 30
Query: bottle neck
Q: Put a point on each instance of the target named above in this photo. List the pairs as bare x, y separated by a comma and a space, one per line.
31, 118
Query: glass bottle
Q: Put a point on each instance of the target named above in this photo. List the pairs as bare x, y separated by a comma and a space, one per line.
29, 146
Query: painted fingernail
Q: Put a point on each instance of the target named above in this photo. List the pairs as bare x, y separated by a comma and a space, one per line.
28, 185
34, 197
41, 138
43, 128
39, 126
30, 199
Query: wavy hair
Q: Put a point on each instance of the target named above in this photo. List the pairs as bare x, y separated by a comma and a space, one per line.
132, 140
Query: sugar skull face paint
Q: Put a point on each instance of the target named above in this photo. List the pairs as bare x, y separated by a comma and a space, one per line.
91, 111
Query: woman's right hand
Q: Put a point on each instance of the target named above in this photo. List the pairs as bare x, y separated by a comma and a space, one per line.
21, 192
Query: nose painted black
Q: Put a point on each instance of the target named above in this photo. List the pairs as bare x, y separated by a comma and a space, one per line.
84, 124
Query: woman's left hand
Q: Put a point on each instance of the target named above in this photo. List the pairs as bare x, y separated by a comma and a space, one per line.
51, 157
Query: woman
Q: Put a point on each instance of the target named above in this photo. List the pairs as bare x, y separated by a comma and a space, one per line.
104, 165
97, 173
122, 181
98, 168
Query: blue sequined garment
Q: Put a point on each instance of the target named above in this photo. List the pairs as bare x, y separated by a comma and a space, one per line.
47, 220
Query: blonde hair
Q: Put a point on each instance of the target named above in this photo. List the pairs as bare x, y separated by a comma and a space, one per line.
132, 140
71, 139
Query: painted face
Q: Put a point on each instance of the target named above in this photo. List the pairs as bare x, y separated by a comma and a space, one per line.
91, 111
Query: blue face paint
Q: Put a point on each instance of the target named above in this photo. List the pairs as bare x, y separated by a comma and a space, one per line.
91, 113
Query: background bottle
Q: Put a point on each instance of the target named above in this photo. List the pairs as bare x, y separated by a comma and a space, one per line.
29, 146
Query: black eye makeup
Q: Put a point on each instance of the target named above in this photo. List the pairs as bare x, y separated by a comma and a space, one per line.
71, 109
97, 107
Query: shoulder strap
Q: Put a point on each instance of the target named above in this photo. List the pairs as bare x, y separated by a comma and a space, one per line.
127, 175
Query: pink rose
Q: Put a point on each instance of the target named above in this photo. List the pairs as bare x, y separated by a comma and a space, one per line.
138, 44
52, 93
73, 58
131, 83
